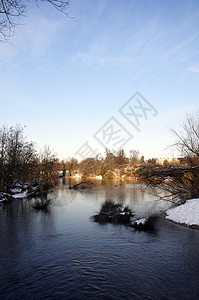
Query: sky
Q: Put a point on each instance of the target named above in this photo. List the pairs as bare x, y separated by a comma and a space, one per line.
116, 74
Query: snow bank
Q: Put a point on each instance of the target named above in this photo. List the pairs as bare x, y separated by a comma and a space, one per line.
4, 197
20, 195
187, 213
16, 190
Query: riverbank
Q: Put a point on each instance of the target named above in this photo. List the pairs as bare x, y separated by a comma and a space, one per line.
28, 190
185, 214
124, 178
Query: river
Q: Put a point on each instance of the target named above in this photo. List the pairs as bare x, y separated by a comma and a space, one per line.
62, 254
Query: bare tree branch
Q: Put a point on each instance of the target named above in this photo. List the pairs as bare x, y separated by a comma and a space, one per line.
12, 11
187, 141
177, 184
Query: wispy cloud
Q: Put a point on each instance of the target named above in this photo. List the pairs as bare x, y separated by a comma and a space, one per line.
193, 69
37, 36
7, 52
103, 60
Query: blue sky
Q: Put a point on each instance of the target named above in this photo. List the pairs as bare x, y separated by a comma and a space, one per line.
64, 78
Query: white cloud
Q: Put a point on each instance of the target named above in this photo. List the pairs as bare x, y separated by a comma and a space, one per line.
194, 69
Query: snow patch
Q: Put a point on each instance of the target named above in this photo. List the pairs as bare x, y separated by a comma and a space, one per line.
4, 197
140, 221
16, 190
98, 177
20, 195
187, 213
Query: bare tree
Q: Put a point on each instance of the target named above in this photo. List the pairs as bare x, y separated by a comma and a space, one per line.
12, 11
48, 166
71, 165
121, 158
110, 160
187, 140
134, 156
179, 183
86, 167
17, 157
100, 166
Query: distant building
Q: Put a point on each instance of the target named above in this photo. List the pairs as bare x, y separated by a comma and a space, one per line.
181, 161
161, 160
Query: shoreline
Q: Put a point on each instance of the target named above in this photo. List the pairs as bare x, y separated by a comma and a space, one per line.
186, 214
101, 178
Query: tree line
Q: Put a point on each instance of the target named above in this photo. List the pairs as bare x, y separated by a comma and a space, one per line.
21, 162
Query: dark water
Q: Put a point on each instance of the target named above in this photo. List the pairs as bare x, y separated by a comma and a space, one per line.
62, 254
